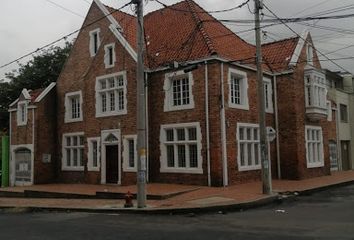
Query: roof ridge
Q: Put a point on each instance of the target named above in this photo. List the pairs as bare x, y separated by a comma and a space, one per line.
281, 40
206, 37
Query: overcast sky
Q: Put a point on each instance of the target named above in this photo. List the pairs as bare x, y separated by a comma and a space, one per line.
27, 25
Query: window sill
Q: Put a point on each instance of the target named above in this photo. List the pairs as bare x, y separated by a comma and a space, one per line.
76, 169
251, 168
178, 108
315, 165
73, 120
182, 170
22, 124
99, 115
239, 106
93, 169
129, 170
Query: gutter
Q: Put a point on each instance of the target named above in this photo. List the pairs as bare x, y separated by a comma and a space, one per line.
277, 126
223, 130
207, 129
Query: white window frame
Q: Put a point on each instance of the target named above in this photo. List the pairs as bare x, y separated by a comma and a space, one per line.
163, 149
329, 111
243, 89
90, 141
168, 89
99, 91
107, 56
309, 54
68, 107
126, 152
92, 33
268, 95
22, 113
251, 141
315, 89
64, 165
319, 156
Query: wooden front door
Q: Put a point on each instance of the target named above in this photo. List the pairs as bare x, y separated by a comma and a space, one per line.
345, 145
112, 164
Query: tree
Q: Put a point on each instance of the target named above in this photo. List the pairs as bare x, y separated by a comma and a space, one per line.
39, 72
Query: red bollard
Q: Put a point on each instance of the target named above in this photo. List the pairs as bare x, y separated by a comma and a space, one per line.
128, 200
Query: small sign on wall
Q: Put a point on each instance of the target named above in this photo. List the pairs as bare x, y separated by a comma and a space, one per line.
46, 158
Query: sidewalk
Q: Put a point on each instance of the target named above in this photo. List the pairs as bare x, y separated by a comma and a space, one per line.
164, 198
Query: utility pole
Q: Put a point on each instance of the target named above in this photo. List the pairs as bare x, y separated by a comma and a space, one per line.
266, 176
141, 108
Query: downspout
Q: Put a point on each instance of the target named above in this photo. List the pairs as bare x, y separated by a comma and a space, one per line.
33, 148
11, 169
277, 125
207, 120
223, 129
147, 126
339, 149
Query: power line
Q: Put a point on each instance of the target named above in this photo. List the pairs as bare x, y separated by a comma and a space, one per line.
303, 38
311, 7
64, 8
216, 11
64, 37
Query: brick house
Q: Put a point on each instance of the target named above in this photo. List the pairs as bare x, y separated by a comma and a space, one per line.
202, 110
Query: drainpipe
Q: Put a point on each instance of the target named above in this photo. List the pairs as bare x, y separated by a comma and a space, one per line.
147, 126
277, 125
207, 120
33, 149
223, 130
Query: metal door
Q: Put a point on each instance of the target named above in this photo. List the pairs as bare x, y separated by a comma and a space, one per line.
23, 167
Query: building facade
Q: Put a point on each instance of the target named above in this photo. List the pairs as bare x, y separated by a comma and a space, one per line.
202, 107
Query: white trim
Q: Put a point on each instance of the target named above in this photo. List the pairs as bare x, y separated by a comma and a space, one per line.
243, 89
19, 113
223, 136
90, 166
329, 110
64, 166
12, 164
298, 49
99, 112
68, 107
26, 94
163, 151
91, 43
320, 163
106, 55
252, 167
126, 167
269, 96
168, 89
114, 28
45, 92
13, 103
104, 135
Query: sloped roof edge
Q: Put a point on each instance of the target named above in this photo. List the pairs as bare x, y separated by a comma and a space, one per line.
300, 45
45, 92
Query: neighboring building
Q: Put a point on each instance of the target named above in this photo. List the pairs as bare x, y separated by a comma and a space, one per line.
340, 90
33, 137
202, 107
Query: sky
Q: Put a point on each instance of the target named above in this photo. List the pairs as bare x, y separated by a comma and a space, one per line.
28, 25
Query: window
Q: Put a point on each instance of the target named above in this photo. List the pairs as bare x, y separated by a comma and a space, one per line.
181, 148
111, 96
343, 113
93, 154
333, 155
109, 55
268, 95
130, 153
22, 113
249, 157
73, 152
314, 146
238, 87
309, 53
178, 91
315, 89
329, 111
73, 107
94, 41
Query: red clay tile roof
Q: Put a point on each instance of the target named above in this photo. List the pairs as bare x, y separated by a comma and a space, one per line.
35, 93
185, 32
278, 54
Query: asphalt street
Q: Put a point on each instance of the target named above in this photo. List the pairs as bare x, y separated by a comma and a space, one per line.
325, 215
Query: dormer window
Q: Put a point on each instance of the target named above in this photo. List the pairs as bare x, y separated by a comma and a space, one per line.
309, 53
22, 113
94, 41
109, 56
